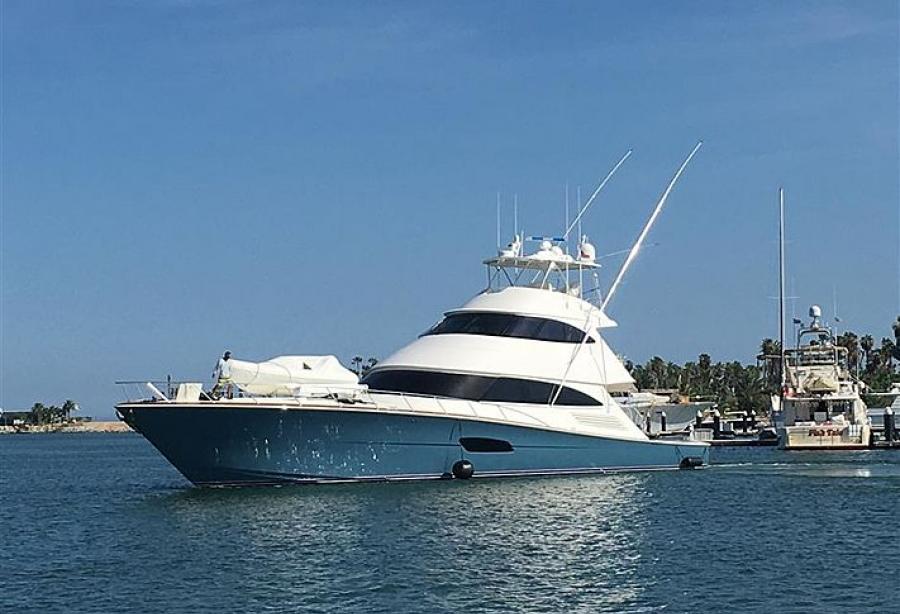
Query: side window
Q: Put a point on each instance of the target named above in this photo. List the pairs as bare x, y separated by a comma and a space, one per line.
470, 387
452, 324
518, 391
570, 396
488, 324
559, 331
524, 328
474, 387
507, 325
554, 331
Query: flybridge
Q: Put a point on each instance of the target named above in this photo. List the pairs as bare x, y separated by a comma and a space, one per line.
547, 268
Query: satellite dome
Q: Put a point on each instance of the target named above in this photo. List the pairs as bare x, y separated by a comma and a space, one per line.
587, 252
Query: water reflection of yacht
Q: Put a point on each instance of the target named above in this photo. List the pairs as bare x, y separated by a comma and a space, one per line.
517, 381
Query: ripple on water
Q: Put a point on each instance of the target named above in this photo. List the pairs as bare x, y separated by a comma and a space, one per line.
102, 524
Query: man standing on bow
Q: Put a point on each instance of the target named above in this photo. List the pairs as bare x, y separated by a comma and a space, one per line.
222, 375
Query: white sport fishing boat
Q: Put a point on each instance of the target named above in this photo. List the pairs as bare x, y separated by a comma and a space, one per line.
517, 381
821, 402
819, 406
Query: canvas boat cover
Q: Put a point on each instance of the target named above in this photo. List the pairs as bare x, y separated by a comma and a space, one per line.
290, 375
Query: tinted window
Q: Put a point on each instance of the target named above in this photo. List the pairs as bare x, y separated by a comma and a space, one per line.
524, 327
452, 324
474, 387
488, 324
507, 325
429, 383
553, 331
570, 396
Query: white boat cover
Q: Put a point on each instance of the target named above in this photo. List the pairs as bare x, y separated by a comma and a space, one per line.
290, 375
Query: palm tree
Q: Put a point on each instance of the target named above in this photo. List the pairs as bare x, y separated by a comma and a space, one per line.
769, 349
371, 362
38, 413
657, 367
850, 341
357, 363
689, 379
867, 343
704, 368
68, 407
886, 354
896, 327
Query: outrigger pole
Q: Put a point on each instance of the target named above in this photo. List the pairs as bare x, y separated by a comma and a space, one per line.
596, 192
640, 240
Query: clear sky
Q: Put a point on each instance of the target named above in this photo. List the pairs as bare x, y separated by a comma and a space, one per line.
184, 177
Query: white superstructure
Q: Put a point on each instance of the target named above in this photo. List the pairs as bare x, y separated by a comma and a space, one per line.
536, 347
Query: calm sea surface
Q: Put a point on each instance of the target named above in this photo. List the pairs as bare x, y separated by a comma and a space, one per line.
101, 523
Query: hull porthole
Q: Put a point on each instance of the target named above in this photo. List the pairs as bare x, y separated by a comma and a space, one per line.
463, 469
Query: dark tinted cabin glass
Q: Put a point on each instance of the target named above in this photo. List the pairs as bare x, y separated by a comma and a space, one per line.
429, 383
488, 324
570, 396
518, 391
554, 331
524, 327
507, 325
455, 323
474, 387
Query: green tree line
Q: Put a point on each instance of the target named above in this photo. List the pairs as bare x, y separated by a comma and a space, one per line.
51, 414
743, 387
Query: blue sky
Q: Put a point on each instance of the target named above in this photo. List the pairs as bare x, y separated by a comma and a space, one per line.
184, 177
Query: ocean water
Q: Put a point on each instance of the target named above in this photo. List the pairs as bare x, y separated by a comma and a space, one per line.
101, 523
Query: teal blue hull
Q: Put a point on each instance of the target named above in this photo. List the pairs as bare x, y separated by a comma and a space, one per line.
252, 445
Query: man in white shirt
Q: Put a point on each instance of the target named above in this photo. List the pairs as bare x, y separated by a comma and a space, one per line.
222, 375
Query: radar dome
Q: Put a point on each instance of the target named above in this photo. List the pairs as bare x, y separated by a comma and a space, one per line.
586, 251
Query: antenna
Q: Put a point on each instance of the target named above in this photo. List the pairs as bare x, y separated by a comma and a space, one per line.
516, 214
597, 191
578, 199
580, 268
640, 240
498, 221
567, 213
834, 314
781, 287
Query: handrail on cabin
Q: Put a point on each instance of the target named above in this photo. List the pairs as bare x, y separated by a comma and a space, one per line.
365, 394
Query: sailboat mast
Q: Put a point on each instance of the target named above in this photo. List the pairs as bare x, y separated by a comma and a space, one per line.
781, 284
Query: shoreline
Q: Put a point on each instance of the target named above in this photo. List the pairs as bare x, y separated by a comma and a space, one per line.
100, 426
